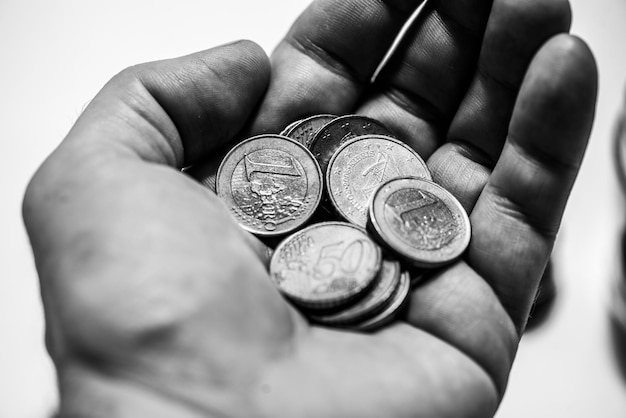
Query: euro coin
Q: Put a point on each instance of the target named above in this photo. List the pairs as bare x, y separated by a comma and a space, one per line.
325, 265
386, 282
398, 301
419, 221
288, 127
271, 184
360, 165
341, 130
304, 130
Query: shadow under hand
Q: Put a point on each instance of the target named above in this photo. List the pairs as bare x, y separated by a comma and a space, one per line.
544, 301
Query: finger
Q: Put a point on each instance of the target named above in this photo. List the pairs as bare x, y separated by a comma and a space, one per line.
404, 371
206, 174
516, 30
176, 111
517, 216
328, 57
460, 308
419, 92
126, 245
480, 306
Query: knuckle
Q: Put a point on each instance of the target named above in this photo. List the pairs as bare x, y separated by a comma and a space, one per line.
129, 82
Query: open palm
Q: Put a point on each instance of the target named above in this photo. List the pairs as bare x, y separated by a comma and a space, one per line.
158, 304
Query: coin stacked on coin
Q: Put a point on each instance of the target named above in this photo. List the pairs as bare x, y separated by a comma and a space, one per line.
388, 217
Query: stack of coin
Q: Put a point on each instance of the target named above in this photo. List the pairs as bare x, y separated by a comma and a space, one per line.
617, 307
544, 299
337, 275
360, 166
388, 216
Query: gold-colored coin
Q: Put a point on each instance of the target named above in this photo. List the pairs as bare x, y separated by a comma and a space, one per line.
325, 265
398, 301
372, 303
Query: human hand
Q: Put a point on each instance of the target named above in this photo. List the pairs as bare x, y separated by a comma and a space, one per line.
158, 304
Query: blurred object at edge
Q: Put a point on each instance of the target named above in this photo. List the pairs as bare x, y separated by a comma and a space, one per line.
618, 289
544, 301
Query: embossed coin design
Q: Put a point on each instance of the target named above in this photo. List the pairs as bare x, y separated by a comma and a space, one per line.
341, 130
420, 221
304, 130
271, 184
325, 265
372, 303
360, 165
397, 302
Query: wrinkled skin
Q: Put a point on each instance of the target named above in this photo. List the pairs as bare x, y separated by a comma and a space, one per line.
159, 305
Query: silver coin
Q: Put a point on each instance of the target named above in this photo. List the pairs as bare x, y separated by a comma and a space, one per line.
288, 127
385, 284
304, 130
360, 165
397, 303
325, 265
341, 130
420, 221
271, 184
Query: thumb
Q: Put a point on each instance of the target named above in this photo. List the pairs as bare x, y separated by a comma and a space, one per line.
176, 111
123, 245
167, 112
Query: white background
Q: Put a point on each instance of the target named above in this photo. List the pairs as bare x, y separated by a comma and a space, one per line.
54, 57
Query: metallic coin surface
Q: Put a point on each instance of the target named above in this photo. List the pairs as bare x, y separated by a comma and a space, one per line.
304, 130
288, 127
326, 264
360, 165
385, 284
271, 184
420, 221
397, 302
341, 130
